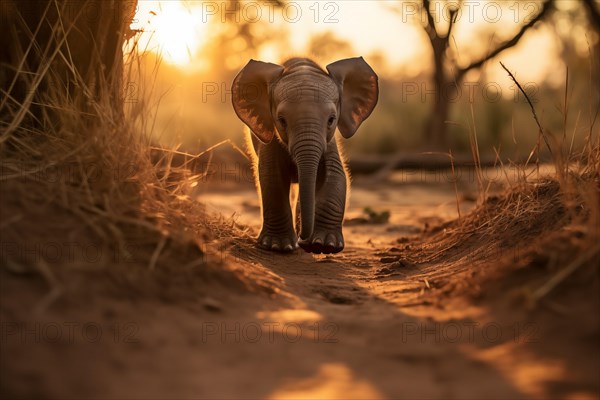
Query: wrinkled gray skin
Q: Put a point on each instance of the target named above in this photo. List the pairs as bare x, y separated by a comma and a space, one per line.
293, 111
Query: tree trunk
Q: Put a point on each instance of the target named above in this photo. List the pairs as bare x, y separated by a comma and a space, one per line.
63, 51
436, 130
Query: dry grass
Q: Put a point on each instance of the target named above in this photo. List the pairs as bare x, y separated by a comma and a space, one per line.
548, 222
81, 188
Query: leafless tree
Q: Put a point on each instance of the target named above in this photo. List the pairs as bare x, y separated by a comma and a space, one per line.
447, 74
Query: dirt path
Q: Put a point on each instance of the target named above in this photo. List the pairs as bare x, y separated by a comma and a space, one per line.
355, 325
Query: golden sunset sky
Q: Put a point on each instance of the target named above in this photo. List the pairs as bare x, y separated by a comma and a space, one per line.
389, 29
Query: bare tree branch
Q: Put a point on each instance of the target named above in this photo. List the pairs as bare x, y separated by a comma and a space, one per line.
593, 12
453, 16
430, 26
507, 44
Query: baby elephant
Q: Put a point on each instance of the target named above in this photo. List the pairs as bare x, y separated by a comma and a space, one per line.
301, 105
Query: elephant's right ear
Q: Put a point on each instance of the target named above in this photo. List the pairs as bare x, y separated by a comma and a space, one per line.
250, 97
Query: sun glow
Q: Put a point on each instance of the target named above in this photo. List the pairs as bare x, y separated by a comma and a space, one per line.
179, 31
171, 29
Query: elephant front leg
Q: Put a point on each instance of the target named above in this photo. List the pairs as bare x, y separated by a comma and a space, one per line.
327, 237
277, 233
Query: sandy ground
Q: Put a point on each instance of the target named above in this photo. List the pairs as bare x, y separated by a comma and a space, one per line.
341, 326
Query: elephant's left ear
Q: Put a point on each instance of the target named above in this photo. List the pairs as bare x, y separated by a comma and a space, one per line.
359, 91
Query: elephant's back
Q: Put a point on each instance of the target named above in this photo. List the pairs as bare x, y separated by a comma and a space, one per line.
300, 64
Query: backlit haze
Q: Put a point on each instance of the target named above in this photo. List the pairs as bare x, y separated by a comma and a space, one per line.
203, 44
388, 30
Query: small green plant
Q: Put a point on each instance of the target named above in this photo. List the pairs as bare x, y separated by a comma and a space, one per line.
375, 217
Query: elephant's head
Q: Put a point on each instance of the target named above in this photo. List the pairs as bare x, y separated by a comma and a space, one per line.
302, 105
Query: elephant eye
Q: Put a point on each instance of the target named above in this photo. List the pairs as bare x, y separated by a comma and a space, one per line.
330, 121
282, 121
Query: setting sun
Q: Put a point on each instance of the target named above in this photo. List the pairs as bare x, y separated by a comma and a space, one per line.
171, 29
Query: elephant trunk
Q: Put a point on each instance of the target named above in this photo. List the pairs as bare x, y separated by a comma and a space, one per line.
308, 163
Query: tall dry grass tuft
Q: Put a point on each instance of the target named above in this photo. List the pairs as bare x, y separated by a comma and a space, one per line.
550, 220
547, 223
80, 184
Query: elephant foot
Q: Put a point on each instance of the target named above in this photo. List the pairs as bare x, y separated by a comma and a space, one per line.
326, 241
284, 243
